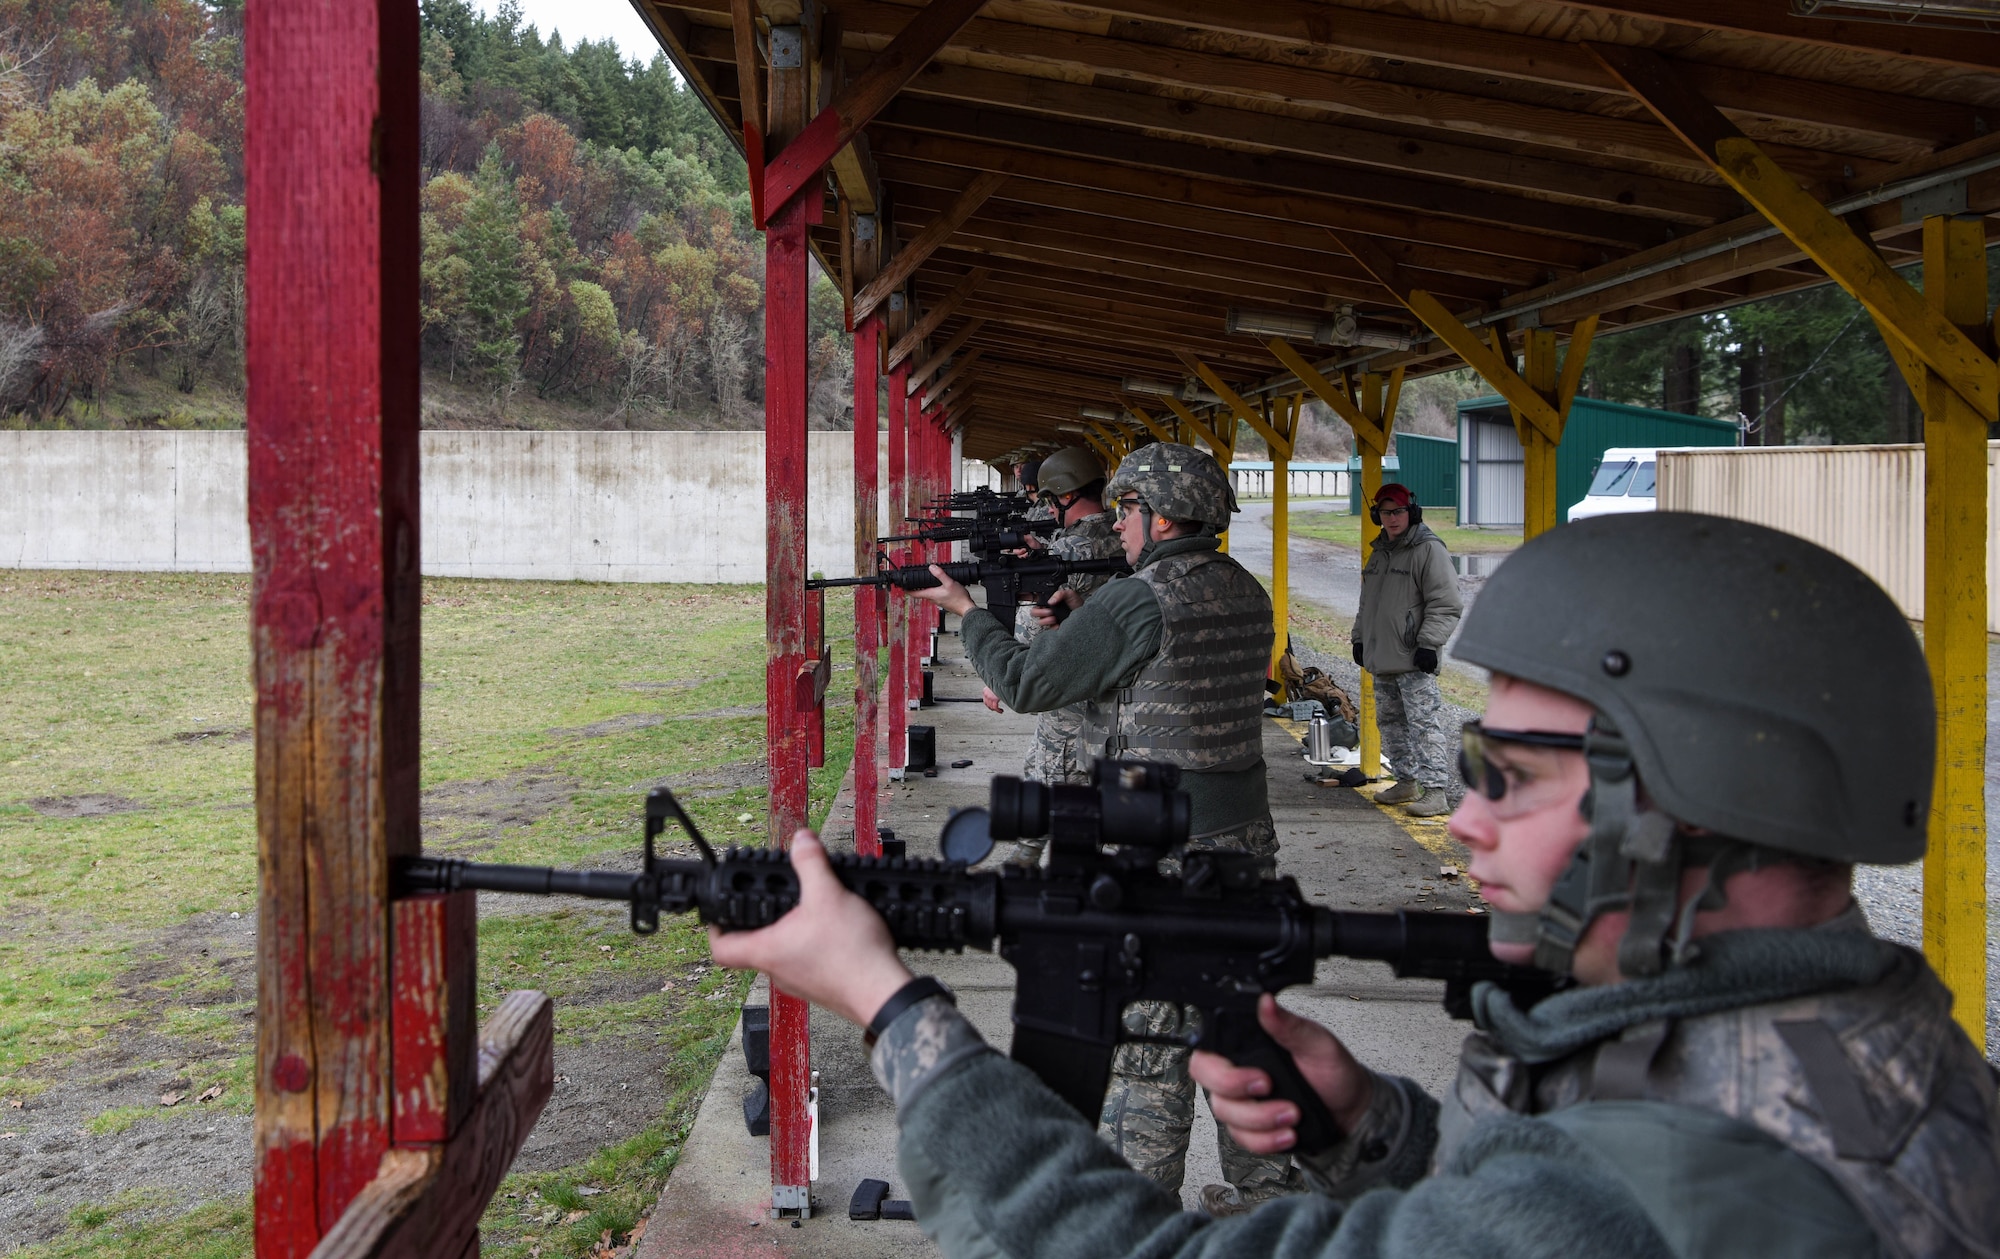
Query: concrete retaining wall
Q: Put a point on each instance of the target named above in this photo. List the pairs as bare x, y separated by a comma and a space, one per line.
566, 506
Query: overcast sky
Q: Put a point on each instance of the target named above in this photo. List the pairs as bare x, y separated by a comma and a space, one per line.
588, 19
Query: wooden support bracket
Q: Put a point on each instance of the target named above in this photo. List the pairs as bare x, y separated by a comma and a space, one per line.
935, 317
1216, 446
1242, 410
1365, 430
935, 394
426, 1199
836, 126
924, 370
1152, 426
906, 261
1853, 263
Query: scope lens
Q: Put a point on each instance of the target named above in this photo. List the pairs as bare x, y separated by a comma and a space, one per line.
1020, 809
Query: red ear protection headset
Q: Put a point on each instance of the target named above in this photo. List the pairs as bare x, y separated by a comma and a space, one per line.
1396, 494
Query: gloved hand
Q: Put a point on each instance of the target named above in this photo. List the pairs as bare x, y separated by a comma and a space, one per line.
1357, 653
1425, 658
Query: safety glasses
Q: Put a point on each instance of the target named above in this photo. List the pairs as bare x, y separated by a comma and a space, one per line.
1498, 780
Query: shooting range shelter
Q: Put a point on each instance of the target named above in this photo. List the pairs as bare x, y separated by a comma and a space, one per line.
1491, 488
1051, 223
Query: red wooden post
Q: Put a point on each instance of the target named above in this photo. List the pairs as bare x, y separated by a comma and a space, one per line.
330, 151
867, 616
435, 1025
785, 295
899, 603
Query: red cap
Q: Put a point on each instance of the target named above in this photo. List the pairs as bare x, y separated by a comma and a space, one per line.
1393, 493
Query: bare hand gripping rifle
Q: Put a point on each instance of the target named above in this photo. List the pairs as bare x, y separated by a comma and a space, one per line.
1099, 929
1009, 580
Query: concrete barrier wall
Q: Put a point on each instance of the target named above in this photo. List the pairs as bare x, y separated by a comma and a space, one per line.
1865, 503
567, 506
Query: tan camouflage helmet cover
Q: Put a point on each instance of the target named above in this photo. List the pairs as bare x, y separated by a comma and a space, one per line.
1069, 470
1177, 482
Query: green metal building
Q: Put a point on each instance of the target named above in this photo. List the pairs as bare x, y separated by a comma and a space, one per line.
1490, 488
1427, 465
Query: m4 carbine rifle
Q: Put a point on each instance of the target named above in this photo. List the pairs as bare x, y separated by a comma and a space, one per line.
988, 540
1009, 580
1099, 929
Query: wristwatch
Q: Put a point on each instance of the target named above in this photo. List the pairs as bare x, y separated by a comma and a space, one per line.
909, 994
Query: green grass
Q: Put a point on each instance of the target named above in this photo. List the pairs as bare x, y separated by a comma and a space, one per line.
102, 672
1342, 529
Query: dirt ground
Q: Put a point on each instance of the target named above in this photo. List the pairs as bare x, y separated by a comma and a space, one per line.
127, 889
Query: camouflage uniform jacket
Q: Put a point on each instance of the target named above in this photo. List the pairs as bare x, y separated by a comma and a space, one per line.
1100, 648
1731, 1153
1091, 538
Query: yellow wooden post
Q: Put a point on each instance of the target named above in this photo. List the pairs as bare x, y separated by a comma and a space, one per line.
1281, 533
1378, 407
1538, 448
1955, 596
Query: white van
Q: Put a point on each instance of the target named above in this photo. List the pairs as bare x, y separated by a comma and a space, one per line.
1623, 482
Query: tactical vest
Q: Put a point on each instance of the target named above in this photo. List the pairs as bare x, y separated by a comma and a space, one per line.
1872, 1085
1200, 703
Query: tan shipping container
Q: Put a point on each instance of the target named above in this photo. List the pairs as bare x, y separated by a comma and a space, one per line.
1863, 502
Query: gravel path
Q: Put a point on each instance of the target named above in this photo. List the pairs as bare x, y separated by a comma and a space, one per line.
1330, 576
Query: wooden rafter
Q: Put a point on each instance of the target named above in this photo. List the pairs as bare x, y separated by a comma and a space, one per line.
911, 256
939, 311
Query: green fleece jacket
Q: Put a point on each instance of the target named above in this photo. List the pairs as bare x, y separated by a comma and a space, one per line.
997, 1165
1099, 649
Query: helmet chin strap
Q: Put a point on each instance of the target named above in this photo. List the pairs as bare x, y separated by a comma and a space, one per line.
1632, 859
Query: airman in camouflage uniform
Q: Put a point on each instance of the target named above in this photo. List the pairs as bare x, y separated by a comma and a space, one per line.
1741, 1069
1168, 665
1072, 485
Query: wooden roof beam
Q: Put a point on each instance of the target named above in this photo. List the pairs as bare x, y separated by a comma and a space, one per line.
1970, 49
922, 372
1616, 191
1258, 202
944, 309
1464, 112
1537, 59
799, 163
1425, 201
1212, 232
1281, 275
906, 260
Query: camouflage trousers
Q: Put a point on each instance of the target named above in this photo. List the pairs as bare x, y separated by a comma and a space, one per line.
1409, 711
1149, 1113
1149, 1107
1056, 756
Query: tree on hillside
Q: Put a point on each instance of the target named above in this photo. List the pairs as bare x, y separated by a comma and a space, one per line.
488, 322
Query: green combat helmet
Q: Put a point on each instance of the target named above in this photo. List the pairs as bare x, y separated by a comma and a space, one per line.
1764, 690
1176, 483
1067, 471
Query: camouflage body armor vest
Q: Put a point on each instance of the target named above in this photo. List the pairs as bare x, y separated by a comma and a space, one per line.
1200, 703
1873, 1085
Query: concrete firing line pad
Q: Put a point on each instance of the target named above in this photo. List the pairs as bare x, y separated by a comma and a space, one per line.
1346, 853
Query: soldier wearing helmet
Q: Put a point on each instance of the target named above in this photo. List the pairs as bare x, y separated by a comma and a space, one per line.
1166, 665
1072, 488
1667, 795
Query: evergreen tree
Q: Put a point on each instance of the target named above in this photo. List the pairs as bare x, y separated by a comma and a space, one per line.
496, 282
